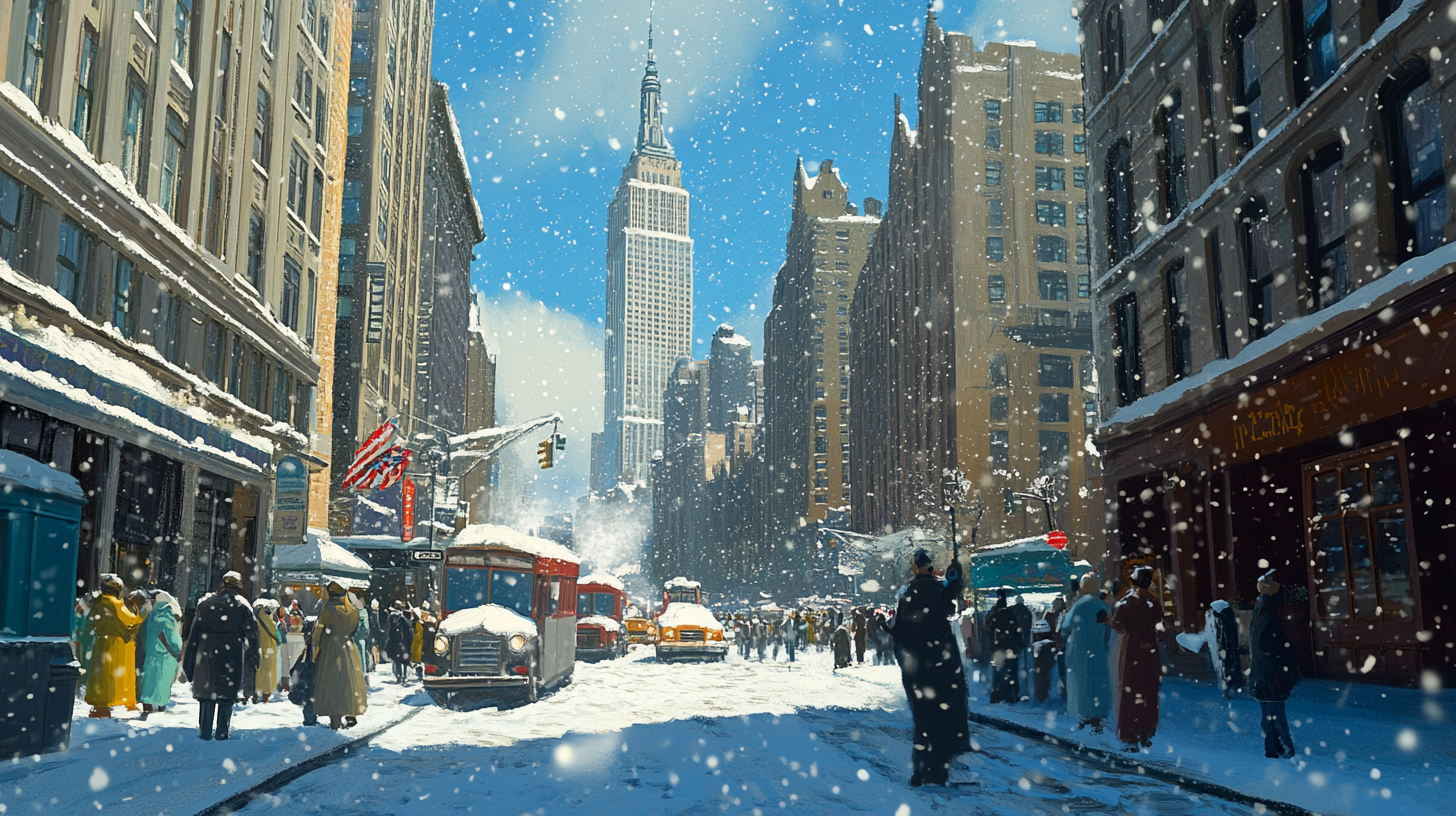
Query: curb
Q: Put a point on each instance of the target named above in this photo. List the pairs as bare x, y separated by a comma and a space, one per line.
1156, 770
243, 798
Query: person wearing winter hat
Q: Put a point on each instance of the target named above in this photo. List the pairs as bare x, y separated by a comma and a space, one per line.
1140, 670
339, 691
111, 674
1273, 666
161, 642
222, 646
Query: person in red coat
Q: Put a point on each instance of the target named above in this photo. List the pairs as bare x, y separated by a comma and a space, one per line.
1140, 671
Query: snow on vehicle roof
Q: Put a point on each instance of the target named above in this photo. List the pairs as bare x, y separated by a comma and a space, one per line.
604, 579
491, 618
320, 553
494, 535
1020, 545
22, 471
682, 582
689, 614
600, 620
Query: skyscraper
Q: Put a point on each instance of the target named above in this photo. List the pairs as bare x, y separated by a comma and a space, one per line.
649, 293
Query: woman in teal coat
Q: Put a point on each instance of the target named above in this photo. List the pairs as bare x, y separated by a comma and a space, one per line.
361, 635
161, 642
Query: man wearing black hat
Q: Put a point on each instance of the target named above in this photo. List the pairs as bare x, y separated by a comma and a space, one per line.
930, 668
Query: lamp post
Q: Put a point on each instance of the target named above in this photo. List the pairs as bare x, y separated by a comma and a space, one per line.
953, 490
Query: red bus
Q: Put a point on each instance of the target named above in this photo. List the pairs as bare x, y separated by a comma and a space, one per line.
508, 628
601, 601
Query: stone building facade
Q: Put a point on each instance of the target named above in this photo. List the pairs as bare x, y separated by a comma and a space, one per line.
1272, 278
806, 366
972, 335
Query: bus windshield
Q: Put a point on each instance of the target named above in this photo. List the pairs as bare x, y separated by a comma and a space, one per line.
683, 595
597, 603
466, 587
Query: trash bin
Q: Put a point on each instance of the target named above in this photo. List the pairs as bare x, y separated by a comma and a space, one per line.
1044, 667
60, 703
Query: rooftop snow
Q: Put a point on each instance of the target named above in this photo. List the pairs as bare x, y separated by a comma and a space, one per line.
604, 579
688, 614
496, 620
494, 535
682, 582
22, 471
732, 340
319, 552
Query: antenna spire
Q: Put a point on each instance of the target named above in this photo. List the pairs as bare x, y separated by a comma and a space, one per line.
651, 10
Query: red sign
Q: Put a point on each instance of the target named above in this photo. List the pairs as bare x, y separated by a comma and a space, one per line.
407, 510
1057, 539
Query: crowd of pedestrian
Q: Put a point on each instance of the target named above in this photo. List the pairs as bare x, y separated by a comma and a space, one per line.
848, 633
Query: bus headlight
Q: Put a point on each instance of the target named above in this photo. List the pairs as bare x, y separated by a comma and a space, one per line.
517, 643
442, 645
717, 634
669, 633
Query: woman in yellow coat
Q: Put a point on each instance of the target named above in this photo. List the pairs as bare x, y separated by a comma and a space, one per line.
111, 675
339, 691
266, 680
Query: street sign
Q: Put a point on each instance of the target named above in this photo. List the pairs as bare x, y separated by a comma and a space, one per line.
290, 500
1057, 539
426, 555
407, 510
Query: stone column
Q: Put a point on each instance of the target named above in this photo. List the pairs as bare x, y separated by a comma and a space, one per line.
187, 532
106, 512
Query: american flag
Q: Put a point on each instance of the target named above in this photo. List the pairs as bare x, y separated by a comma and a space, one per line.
386, 470
373, 448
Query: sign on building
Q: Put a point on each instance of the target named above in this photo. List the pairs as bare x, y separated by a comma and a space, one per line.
374, 326
290, 501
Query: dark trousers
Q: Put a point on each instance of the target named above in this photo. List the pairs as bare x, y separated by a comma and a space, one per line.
1277, 741
213, 719
401, 671
1007, 688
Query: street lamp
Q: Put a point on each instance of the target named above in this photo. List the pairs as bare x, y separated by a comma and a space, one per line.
953, 489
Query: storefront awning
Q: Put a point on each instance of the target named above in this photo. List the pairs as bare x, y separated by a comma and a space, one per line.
319, 560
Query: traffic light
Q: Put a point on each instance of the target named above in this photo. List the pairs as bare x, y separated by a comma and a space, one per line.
544, 450
560, 442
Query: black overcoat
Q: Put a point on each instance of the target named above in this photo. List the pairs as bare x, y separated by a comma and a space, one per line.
221, 646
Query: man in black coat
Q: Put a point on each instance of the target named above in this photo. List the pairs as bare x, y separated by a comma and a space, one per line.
1273, 667
930, 669
1008, 642
401, 637
221, 645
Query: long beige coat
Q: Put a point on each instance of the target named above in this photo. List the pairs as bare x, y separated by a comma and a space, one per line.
266, 681
338, 685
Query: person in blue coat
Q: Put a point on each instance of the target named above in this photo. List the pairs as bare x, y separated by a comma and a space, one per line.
161, 644
1089, 676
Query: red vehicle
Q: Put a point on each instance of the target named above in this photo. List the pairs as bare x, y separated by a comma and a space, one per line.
601, 601
508, 627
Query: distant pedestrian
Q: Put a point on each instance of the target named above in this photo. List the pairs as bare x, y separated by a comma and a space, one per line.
861, 635
791, 633
1008, 644
397, 645
760, 638
265, 681
1273, 667
221, 644
161, 638
111, 675
377, 630
930, 669
1140, 671
339, 691
841, 641
300, 675
1089, 675
362, 634
1053, 619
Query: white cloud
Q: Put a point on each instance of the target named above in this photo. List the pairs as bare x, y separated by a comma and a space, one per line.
546, 361
1049, 22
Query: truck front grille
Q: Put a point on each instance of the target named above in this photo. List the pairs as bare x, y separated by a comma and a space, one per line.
588, 639
478, 654
691, 635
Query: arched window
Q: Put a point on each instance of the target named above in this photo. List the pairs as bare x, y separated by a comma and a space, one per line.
1411, 107
1112, 61
1180, 321
1172, 155
1254, 235
1244, 52
1322, 188
1120, 218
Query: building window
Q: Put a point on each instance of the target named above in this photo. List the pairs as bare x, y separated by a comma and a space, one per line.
1121, 217
1385, 8
16, 201
316, 208
288, 311
999, 409
1180, 322
213, 341
1079, 114
1051, 178
1049, 143
1053, 408
993, 138
350, 208
1079, 143
1084, 286
262, 129
33, 50
1248, 96
1055, 453
1173, 155
125, 280
996, 288
1112, 60
269, 26
359, 55
167, 326
298, 182
1051, 285
995, 213
309, 15
356, 120
359, 87
257, 376
993, 174
172, 147
993, 110
1361, 551
1085, 373
1080, 213
1258, 270
998, 374
1315, 60
1000, 448
182, 43
1047, 111
133, 135
302, 86
995, 248
85, 86
320, 115
1051, 213
1053, 371
1051, 249
73, 260
1079, 177
1127, 350
1413, 126
1082, 249
1324, 218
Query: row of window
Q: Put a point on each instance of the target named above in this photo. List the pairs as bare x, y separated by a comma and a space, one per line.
1049, 249
1050, 284
1047, 111
1054, 450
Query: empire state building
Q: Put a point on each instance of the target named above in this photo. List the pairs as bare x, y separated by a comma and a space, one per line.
649, 320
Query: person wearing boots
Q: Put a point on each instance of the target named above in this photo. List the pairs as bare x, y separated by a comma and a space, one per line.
1140, 670
221, 645
1273, 667
339, 690
111, 674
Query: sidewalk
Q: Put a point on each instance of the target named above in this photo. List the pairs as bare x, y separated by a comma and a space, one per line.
129, 766
1362, 748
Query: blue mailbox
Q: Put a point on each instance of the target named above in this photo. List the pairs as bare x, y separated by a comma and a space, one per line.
40, 524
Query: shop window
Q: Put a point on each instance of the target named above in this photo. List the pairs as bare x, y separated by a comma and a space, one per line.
1248, 96
1315, 60
1127, 352
1112, 48
1258, 268
1412, 109
1054, 371
1180, 322
1359, 538
1173, 155
1121, 216
1322, 186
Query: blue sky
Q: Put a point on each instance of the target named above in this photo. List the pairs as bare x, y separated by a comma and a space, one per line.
546, 94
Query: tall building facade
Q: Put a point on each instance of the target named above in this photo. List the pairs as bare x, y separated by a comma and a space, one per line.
806, 348
1273, 284
972, 342
382, 242
168, 215
649, 294
476, 482
732, 387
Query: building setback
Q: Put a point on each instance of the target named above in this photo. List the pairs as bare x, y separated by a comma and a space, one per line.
1273, 284
164, 233
972, 320
649, 321
806, 368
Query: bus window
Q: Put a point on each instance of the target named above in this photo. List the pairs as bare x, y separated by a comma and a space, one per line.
553, 602
465, 587
598, 603
511, 590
